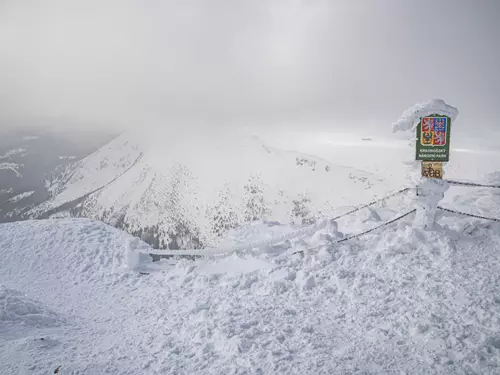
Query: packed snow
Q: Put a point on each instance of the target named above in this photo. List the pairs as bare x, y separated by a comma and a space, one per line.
18, 312
396, 301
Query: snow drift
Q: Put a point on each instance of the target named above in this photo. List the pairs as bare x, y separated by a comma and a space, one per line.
16, 309
396, 301
62, 252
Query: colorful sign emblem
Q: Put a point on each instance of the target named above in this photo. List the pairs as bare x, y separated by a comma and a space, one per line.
434, 131
433, 138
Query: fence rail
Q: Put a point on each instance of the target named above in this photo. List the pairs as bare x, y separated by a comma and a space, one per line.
303, 232
467, 214
377, 227
471, 184
320, 224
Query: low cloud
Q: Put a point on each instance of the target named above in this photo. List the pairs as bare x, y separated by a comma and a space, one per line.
326, 64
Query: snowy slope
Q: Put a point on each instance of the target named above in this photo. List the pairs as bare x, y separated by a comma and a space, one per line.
13, 167
400, 301
19, 197
19, 314
27, 160
186, 190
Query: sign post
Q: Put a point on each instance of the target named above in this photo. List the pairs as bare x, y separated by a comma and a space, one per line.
431, 121
433, 151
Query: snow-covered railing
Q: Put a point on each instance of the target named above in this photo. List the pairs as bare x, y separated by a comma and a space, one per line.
467, 214
471, 184
397, 218
319, 225
354, 236
372, 203
303, 232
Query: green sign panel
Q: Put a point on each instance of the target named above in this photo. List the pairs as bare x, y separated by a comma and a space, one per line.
433, 138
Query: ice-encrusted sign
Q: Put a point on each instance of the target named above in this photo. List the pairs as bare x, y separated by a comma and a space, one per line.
431, 122
433, 138
432, 117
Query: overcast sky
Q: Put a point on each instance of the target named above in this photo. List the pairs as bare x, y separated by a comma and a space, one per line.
336, 63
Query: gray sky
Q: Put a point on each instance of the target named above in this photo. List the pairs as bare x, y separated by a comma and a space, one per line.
337, 63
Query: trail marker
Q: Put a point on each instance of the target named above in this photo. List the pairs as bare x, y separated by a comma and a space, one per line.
432, 169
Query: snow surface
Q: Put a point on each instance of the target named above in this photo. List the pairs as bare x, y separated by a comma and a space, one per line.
398, 301
18, 312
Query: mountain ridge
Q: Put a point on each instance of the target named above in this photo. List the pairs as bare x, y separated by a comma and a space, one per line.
171, 199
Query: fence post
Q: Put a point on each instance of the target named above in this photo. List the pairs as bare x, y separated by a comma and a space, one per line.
430, 192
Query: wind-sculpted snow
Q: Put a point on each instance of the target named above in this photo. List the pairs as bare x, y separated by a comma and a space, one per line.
399, 301
74, 250
17, 311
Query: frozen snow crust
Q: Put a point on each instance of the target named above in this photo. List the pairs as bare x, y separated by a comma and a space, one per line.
399, 301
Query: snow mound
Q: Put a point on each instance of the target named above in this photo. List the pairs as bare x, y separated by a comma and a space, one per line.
477, 200
400, 301
66, 251
15, 308
396, 301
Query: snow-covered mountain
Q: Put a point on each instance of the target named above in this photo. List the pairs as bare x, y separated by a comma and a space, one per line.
184, 190
28, 156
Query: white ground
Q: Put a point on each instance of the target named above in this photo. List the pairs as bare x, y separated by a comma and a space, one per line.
397, 302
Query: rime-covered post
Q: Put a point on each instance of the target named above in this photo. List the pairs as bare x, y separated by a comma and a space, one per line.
431, 122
